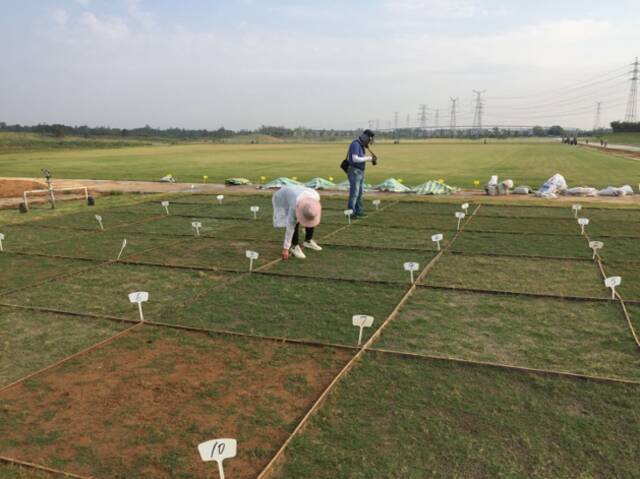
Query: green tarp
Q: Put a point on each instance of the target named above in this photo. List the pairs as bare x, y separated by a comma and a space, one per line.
391, 184
320, 184
433, 188
280, 182
237, 181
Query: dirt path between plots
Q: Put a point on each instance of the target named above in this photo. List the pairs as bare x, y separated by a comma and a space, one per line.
140, 406
98, 187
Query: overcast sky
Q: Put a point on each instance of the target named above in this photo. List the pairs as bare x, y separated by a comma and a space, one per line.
326, 64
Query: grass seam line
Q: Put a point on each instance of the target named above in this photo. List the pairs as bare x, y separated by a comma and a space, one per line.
517, 293
69, 358
269, 468
510, 367
48, 470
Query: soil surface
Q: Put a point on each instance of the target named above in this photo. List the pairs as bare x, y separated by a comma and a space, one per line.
139, 406
14, 188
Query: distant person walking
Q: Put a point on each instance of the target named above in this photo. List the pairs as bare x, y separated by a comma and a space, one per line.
357, 159
294, 206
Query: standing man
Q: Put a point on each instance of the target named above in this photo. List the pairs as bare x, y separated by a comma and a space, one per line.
294, 206
357, 159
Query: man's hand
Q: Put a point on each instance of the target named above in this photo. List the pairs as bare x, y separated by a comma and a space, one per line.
285, 254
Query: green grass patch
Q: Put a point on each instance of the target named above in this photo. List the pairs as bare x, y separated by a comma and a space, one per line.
525, 211
523, 225
9, 471
28, 238
619, 249
528, 275
613, 228
20, 271
630, 274
402, 238
411, 219
29, 340
579, 337
531, 244
139, 406
398, 417
355, 263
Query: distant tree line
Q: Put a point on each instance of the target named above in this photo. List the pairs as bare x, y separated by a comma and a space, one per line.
625, 126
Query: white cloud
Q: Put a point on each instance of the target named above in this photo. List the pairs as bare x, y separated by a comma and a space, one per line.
59, 16
111, 27
432, 8
84, 3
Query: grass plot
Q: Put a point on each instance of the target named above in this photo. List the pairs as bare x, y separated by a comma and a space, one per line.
525, 211
619, 249
399, 417
526, 275
9, 471
579, 337
19, 271
26, 238
30, 341
630, 274
139, 406
401, 238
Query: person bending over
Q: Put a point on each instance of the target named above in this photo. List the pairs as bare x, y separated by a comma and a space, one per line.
294, 206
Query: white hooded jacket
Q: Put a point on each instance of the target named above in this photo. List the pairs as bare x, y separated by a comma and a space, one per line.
284, 202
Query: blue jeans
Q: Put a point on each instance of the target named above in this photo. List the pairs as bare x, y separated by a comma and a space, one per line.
356, 188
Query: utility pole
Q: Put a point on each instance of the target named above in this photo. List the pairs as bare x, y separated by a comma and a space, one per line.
408, 121
596, 124
422, 116
452, 116
477, 116
632, 103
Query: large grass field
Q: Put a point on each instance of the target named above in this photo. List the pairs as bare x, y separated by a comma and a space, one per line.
459, 163
505, 359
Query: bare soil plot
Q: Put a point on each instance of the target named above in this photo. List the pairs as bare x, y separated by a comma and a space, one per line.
299, 308
30, 340
580, 337
19, 271
205, 252
355, 263
630, 274
529, 275
402, 238
400, 417
105, 289
9, 471
139, 406
523, 225
527, 245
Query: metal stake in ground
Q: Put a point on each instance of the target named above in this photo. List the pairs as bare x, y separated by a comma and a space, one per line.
576, 208
411, 267
436, 239
254, 210
348, 214
1, 239
376, 203
218, 450
460, 215
52, 197
124, 245
361, 321
99, 220
220, 198
612, 282
252, 255
595, 246
465, 207
583, 222
196, 225
165, 205
139, 297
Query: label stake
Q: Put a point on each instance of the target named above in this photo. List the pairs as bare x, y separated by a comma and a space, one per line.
165, 205
361, 321
348, 214
99, 220
218, 450
252, 255
612, 282
124, 245
139, 297
436, 239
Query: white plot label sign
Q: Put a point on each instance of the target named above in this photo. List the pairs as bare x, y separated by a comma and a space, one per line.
124, 245
465, 207
139, 297
361, 321
437, 238
218, 450
348, 214
376, 203
612, 282
165, 205
220, 198
1, 240
252, 256
575, 209
460, 215
583, 222
254, 210
99, 220
595, 246
411, 267
196, 225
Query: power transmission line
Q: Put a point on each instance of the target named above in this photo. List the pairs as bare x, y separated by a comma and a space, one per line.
596, 124
477, 116
452, 115
422, 115
632, 103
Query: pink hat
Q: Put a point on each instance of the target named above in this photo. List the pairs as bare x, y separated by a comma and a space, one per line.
308, 212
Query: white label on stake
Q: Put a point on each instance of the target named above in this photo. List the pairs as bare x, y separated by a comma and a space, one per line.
254, 210
124, 245
612, 282
583, 221
361, 321
218, 450
165, 205
1, 239
595, 246
348, 214
575, 209
411, 267
99, 220
460, 215
437, 238
252, 255
464, 206
139, 297
220, 198
196, 225
376, 203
